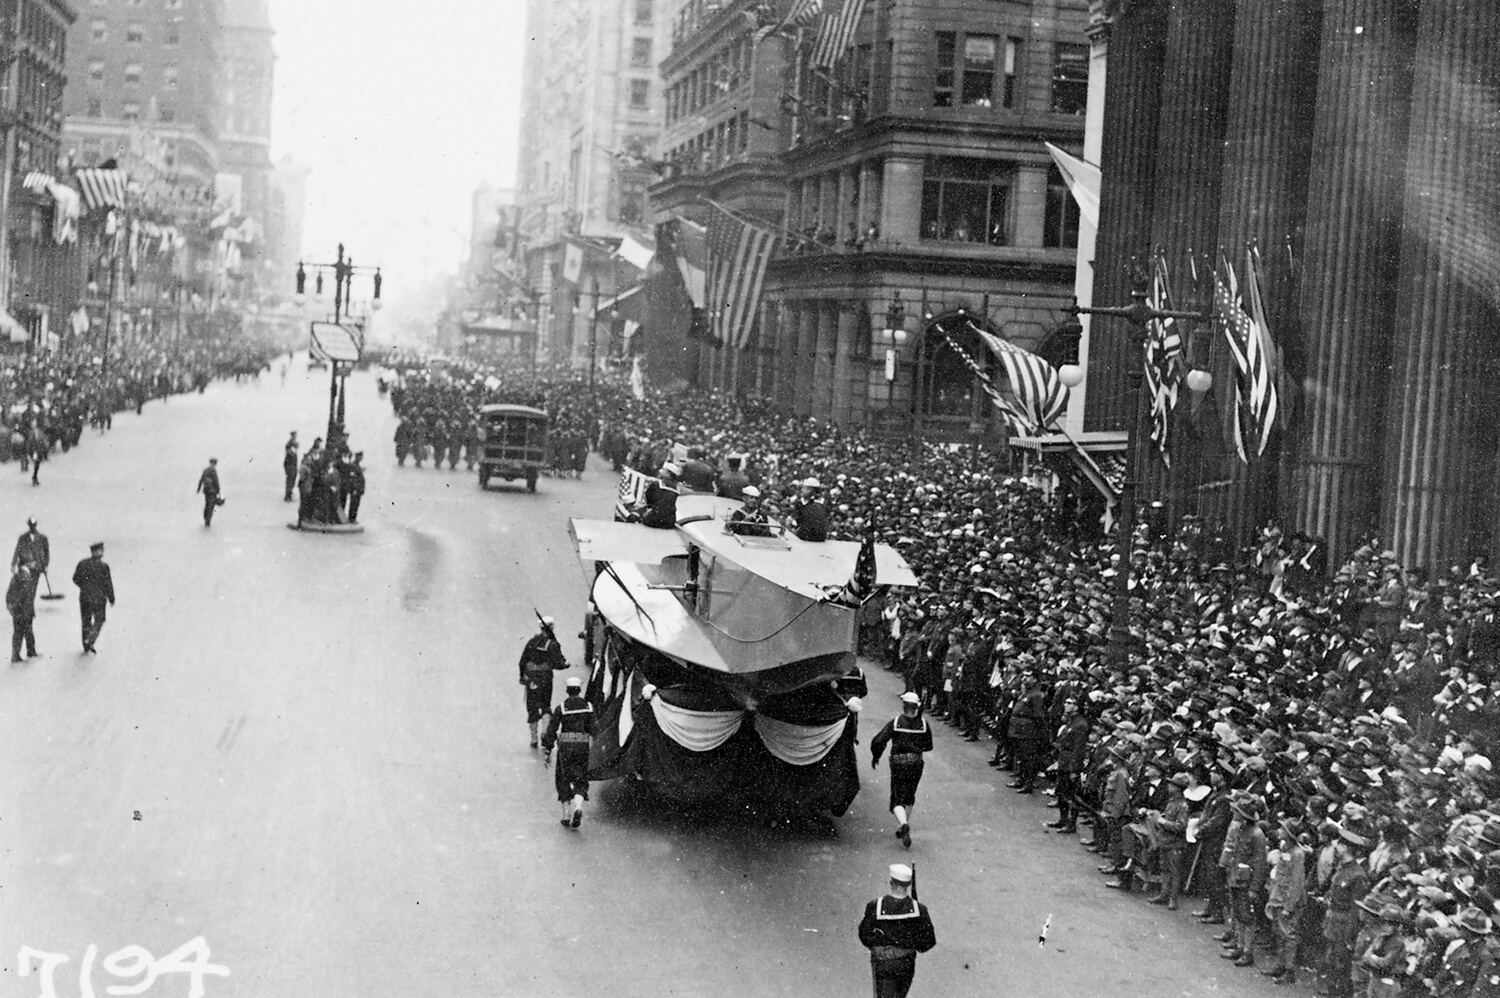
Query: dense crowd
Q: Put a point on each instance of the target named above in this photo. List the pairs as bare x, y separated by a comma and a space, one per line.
1309, 750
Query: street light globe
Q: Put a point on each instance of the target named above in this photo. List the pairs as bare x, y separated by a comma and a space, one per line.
1070, 375
377, 304
1199, 381
299, 299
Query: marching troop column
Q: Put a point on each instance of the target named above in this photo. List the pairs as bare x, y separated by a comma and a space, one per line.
1348, 265
1440, 443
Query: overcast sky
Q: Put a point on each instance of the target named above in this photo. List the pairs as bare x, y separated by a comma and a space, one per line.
400, 109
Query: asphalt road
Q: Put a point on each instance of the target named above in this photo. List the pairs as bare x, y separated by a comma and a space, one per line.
310, 753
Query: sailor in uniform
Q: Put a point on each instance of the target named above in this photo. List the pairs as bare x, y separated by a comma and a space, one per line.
570, 730
541, 657
909, 737
895, 929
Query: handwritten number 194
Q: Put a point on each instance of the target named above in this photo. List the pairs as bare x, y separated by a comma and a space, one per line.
191, 958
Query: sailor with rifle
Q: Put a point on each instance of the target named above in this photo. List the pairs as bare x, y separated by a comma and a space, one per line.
895, 929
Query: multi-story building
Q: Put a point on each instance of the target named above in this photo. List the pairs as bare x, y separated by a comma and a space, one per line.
285, 212
591, 110
244, 135
915, 196
146, 68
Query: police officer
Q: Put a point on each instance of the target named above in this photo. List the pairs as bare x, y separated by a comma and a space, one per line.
96, 587
895, 929
571, 727
289, 465
541, 657
909, 737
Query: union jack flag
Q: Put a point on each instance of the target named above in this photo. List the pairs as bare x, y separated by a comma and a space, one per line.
1164, 362
1254, 353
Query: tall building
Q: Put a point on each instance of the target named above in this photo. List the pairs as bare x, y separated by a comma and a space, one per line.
906, 179
285, 211
248, 66
591, 109
137, 68
1353, 143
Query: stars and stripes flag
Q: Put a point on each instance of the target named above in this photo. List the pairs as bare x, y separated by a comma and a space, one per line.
102, 188
861, 585
801, 14
1015, 420
631, 491
836, 33
737, 257
1165, 368
1254, 354
1042, 396
36, 181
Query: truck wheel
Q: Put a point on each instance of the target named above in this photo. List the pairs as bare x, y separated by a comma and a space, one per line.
531, 480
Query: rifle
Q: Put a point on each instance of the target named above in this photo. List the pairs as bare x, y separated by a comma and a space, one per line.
914, 881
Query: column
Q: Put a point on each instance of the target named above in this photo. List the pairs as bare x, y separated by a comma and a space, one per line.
828, 203
1349, 265
1438, 501
901, 203
1028, 203
846, 320
807, 353
847, 208
825, 332
869, 196
1128, 164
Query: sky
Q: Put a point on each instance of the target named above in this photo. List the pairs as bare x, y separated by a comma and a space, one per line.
400, 109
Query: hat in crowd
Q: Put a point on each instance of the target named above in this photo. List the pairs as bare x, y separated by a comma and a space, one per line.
97, 546
1247, 807
900, 873
1196, 794
574, 683
1474, 920
671, 468
1355, 833
750, 492
213, 460
810, 483
911, 698
1181, 779
1490, 833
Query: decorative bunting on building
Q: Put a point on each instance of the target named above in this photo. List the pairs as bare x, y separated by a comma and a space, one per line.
836, 33
1164, 364
737, 257
102, 188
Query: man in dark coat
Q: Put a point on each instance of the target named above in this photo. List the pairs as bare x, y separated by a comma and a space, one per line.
1026, 732
809, 515
354, 485
895, 928
96, 588
541, 657
660, 509
289, 466
732, 483
20, 601
570, 729
34, 547
1072, 751
910, 738
208, 484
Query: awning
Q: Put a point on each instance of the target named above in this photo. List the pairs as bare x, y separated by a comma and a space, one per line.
14, 331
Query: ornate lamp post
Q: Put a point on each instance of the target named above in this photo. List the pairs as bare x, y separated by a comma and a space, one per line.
343, 270
1139, 314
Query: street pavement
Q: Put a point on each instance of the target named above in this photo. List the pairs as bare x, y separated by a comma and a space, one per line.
309, 752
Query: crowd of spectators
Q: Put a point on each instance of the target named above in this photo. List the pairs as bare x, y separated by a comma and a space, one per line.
1311, 750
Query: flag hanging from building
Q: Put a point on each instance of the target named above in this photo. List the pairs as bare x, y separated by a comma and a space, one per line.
102, 188
1042, 396
801, 14
836, 33
689, 244
1015, 420
36, 181
738, 253
1254, 354
1164, 362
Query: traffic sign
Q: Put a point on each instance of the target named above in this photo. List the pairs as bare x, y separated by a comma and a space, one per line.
332, 341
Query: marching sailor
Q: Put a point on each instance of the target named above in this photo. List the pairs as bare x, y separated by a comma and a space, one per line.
541, 657
895, 929
570, 729
909, 737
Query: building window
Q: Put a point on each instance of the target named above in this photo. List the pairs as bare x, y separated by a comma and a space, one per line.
642, 11
166, 111
169, 75
979, 70
173, 34
95, 107
130, 111
1060, 226
640, 52
966, 200
640, 93
96, 69
632, 207
1012, 52
132, 72
98, 31
1070, 78
135, 33
942, 90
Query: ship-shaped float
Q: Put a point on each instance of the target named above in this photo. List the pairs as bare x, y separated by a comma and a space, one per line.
718, 657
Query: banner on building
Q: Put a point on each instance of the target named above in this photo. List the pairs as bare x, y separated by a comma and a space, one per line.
572, 263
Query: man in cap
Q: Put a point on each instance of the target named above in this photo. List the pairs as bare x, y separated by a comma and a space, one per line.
1285, 904
659, 504
732, 483
32, 546
809, 515
1349, 883
96, 587
750, 519
353, 485
1246, 869
571, 726
1072, 754
20, 601
289, 465
541, 657
909, 738
1170, 823
208, 484
895, 928
1026, 730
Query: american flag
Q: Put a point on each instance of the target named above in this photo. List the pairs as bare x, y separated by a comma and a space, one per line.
801, 14
36, 181
737, 257
1042, 396
1254, 353
102, 188
1015, 420
836, 33
632, 490
1164, 362
861, 585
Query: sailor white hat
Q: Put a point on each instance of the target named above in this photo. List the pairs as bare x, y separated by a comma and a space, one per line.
574, 683
901, 873
911, 698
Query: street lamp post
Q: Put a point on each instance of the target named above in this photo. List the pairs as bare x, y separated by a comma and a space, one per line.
343, 270
593, 333
1138, 314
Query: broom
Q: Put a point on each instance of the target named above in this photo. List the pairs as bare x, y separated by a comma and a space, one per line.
49, 594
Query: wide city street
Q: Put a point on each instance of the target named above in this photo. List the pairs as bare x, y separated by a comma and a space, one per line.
310, 752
